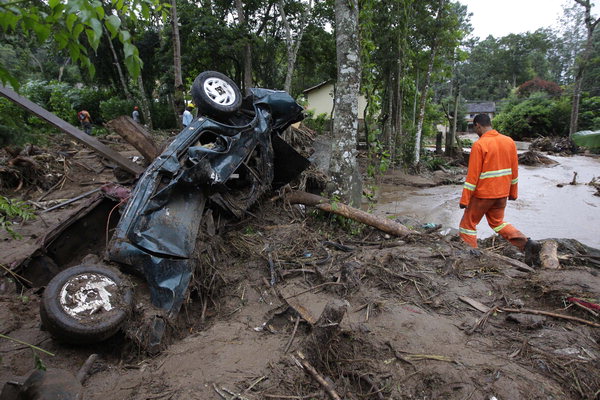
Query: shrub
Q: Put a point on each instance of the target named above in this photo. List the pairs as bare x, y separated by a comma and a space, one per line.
114, 107
536, 116
319, 124
162, 116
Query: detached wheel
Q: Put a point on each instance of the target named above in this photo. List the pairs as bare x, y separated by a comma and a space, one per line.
215, 94
85, 304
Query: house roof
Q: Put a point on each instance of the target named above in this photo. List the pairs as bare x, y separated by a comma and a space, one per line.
316, 86
484, 107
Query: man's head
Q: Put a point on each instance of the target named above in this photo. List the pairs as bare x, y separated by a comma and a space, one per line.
135, 108
482, 124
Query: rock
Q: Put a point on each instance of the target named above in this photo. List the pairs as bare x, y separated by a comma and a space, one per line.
526, 320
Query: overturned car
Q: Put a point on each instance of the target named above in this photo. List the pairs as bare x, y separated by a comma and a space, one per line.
227, 158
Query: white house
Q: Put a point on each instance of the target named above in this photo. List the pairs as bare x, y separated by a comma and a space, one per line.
320, 99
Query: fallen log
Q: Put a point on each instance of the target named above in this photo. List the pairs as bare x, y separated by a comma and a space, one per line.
135, 135
549, 255
324, 204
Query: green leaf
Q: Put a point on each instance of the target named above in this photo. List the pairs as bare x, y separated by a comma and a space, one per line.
77, 31
145, 11
42, 31
39, 364
93, 39
6, 77
113, 23
128, 49
100, 12
74, 51
124, 36
71, 18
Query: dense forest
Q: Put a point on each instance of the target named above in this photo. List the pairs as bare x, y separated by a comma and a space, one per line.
419, 63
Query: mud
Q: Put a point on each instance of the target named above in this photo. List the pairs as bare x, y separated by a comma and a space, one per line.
407, 333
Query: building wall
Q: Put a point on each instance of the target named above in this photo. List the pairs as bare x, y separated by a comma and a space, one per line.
320, 101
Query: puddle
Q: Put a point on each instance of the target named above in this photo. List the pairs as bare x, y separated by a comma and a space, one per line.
543, 210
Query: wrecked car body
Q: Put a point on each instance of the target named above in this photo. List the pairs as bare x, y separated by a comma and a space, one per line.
227, 164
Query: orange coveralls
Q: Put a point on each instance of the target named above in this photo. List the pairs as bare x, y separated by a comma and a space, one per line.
493, 175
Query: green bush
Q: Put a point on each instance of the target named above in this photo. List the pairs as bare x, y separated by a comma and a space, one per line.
115, 107
320, 123
60, 102
536, 116
589, 114
162, 116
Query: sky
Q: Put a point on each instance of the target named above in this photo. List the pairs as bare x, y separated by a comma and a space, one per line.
502, 17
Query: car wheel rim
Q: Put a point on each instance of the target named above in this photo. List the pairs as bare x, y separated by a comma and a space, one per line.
88, 295
219, 91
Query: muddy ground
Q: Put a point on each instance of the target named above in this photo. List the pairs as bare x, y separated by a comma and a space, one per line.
411, 329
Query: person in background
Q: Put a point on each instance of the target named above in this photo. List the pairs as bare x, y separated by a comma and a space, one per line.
187, 117
85, 120
492, 179
136, 115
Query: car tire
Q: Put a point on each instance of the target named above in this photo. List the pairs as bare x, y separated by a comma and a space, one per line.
215, 94
85, 304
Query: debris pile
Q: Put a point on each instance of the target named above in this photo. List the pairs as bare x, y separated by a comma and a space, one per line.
534, 158
555, 145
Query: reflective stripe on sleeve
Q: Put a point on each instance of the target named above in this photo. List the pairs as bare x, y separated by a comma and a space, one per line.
500, 227
514, 181
469, 186
495, 174
467, 232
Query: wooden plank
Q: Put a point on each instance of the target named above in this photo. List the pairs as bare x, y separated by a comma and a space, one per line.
135, 135
64, 126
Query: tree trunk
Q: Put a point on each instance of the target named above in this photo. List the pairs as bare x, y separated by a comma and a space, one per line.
178, 93
146, 111
291, 44
345, 176
582, 64
136, 135
417, 152
247, 83
117, 65
453, 124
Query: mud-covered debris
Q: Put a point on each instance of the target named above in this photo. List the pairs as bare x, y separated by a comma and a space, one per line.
556, 145
533, 157
526, 320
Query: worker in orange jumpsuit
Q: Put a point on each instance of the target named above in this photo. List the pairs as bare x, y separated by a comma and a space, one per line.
492, 178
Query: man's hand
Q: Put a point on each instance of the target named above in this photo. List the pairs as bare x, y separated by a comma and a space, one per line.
512, 198
462, 206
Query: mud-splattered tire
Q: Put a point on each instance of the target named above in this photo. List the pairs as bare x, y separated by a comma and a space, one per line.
85, 304
215, 94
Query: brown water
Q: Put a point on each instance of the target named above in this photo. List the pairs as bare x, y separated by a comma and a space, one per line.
542, 210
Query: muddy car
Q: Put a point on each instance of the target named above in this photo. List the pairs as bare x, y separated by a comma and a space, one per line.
226, 158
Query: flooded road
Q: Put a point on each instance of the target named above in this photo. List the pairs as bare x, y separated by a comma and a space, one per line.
542, 210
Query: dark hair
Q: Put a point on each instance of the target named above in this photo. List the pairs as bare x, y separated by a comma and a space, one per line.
482, 119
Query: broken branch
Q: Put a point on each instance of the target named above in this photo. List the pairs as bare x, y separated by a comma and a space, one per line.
324, 204
549, 255
302, 362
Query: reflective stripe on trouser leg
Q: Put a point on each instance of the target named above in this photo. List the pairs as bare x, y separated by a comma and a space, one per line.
470, 219
495, 218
